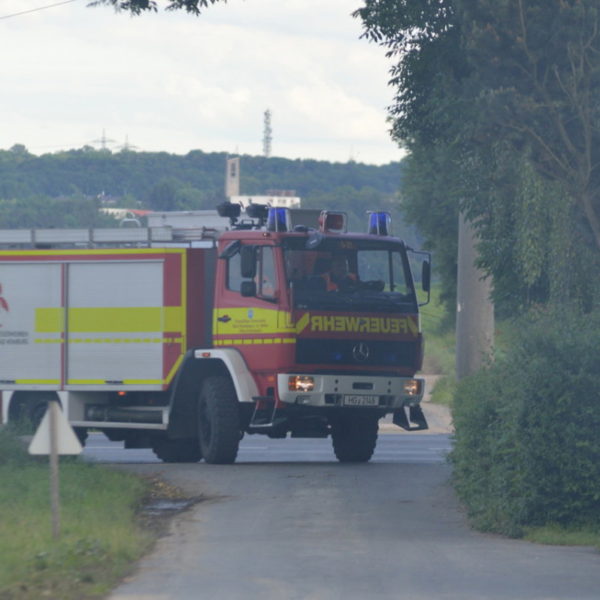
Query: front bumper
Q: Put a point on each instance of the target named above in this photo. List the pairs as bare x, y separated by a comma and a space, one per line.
387, 393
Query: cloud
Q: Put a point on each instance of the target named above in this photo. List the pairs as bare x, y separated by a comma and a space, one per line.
173, 82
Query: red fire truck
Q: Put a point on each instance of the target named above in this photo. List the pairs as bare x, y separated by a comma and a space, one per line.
183, 340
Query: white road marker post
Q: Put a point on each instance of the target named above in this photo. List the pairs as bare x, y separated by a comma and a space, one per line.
54, 437
54, 474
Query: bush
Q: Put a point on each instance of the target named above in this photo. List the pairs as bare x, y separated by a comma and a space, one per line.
527, 447
12, 450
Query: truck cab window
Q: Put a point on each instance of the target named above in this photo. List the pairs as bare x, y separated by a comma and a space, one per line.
267, 275
234, 276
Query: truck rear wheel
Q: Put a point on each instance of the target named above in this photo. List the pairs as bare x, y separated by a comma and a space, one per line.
28, 409
178, 451
354, 437
218, 421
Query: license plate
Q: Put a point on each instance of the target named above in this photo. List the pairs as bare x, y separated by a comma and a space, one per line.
360, 400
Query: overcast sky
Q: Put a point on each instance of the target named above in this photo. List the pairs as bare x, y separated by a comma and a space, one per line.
174, 82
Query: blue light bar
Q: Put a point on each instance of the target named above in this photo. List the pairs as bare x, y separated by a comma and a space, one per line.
277, 219
380, 223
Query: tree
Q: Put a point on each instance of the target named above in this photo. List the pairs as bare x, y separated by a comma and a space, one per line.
498, 97
538, 66
137, 7
429, 111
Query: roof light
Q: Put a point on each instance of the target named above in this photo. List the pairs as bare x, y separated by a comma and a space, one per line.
228, 209
333, 222
258, 211
380, 223
278, 219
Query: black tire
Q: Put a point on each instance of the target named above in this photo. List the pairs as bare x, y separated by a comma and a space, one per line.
29, 409
354, 437
82, 434
178, 451
219, 428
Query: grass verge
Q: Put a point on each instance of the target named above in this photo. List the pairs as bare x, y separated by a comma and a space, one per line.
440, 342
101, 534
559, 535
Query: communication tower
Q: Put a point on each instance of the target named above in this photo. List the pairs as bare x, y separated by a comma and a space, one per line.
268, 134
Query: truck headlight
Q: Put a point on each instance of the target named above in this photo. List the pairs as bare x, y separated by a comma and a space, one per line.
412, 387
301, 383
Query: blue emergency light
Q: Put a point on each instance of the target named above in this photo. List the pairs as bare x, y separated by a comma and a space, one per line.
278, 219
380, 223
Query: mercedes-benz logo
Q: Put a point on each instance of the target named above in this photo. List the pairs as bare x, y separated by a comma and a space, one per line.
360, 352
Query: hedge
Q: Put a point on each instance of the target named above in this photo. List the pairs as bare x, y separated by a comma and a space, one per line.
527, 441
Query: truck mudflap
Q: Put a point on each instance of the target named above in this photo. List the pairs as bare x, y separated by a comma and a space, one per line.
415, 415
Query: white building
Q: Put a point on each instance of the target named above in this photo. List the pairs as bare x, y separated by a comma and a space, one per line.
270, 200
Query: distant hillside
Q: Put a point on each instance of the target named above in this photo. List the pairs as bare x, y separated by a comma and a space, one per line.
66, 188
92, 172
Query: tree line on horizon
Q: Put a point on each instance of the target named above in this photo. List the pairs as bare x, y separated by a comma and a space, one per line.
66, 189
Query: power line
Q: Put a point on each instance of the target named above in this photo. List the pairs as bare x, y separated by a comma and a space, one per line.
32, 10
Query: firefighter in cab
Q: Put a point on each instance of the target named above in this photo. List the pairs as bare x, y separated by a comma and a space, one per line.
336, 274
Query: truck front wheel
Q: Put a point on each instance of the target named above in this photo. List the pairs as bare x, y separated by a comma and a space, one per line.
218, 421
354, 437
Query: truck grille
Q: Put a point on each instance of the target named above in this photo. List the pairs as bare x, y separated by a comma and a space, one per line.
356, 352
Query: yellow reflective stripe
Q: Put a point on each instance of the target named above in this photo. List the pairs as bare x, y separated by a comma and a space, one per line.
248, 341
174, 370
37, 382
49, 320
125, 340
124, 382
119, 319
302, 322
93, 252
142, 318
111, 341
174, 318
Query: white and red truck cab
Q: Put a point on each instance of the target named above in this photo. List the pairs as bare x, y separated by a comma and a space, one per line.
184, 340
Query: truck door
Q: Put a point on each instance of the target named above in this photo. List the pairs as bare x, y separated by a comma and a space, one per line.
247, 308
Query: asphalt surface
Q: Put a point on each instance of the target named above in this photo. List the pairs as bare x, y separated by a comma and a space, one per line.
289, 522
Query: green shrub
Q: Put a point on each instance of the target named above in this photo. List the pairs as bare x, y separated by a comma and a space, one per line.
527, 446
12, 450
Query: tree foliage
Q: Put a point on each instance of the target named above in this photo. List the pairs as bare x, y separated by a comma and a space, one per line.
161, 181
538, 68
496, 102
137, 7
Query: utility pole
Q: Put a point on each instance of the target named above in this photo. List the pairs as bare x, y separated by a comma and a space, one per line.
474, 309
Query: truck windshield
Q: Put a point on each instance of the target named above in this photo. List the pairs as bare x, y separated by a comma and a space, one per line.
357, 274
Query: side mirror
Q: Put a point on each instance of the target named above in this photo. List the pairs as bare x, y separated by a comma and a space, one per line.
248, 262
426, 276
248, 289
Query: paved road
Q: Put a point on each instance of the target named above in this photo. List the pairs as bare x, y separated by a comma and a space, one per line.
409, 448
288, 522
